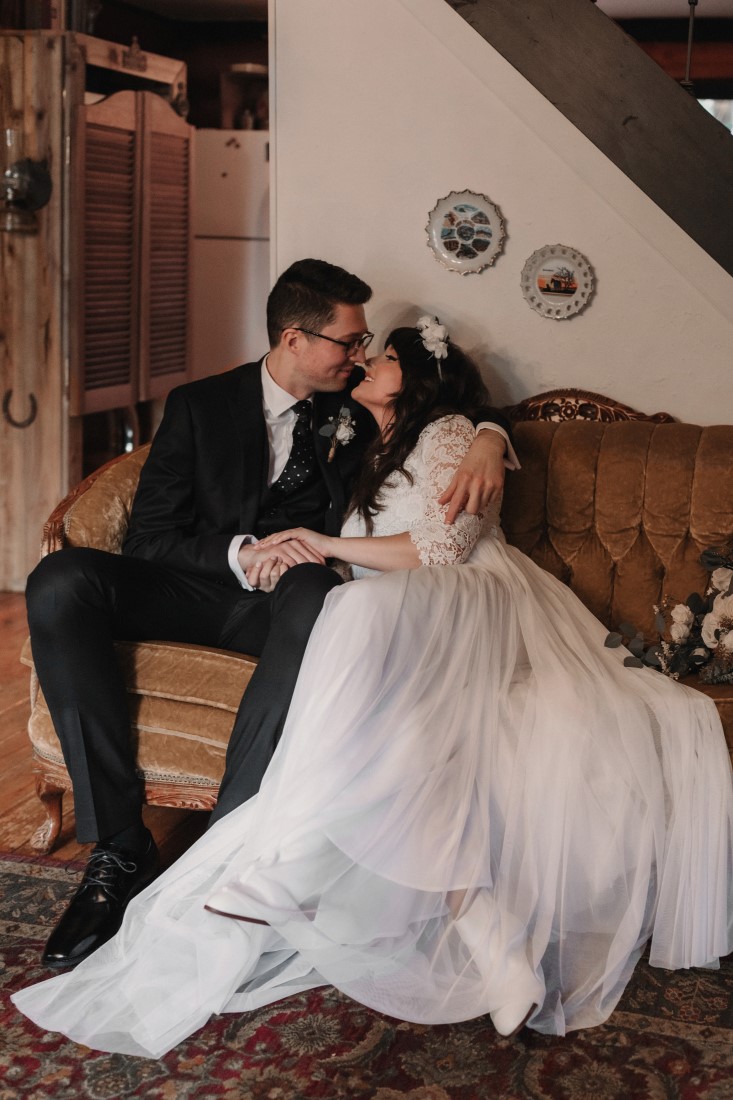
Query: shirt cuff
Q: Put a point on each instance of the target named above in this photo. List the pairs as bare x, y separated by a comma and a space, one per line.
233, 559
510, 458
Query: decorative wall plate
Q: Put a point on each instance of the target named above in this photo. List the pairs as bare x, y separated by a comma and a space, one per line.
557, 281
465, 231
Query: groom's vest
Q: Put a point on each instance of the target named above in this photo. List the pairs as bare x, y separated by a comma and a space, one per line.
305, 506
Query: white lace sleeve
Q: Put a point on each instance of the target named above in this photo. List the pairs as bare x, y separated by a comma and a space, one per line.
439, 452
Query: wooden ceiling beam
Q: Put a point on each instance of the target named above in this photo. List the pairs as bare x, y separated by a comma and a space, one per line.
710, 60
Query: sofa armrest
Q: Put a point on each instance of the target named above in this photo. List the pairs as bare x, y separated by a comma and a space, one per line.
96, 512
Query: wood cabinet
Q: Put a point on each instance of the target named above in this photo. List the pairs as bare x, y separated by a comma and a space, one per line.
94, 309
131, 221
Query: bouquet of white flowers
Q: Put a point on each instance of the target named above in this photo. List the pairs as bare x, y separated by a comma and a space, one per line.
695, 636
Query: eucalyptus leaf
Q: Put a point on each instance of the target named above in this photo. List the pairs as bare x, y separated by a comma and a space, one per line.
613, 640
627, 629
633, 662
327, 430
709, 559
651, 657
636, 645
678, 662
715, 559
660, 622
696, 603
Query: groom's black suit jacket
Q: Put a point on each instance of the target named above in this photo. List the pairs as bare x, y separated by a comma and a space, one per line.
206, 474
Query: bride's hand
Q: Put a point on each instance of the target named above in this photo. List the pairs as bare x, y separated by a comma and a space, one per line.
322, 544
479, 479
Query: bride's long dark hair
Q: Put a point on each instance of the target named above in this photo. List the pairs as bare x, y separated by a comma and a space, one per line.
427, 393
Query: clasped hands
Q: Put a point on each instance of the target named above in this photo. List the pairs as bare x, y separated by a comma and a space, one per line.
264, 563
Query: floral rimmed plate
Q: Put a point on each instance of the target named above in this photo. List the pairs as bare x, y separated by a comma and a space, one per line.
557, 281
465, 231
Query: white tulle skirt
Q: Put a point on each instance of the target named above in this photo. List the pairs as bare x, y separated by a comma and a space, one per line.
460, 745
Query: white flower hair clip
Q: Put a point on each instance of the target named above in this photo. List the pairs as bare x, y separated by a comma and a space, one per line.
434, 337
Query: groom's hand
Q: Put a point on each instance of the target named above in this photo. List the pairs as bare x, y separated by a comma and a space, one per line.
263, 564
479, 479
265, 573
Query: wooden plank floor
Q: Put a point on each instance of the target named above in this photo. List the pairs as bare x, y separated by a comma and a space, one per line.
20, 810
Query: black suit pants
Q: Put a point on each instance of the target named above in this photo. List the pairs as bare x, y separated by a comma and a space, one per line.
80, 601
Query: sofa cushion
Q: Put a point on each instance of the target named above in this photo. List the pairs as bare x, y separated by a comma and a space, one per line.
183, 699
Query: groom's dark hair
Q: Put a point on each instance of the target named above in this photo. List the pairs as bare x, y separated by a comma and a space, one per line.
431, 388
307, 294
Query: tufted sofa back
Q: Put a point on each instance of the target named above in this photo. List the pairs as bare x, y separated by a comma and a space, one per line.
620, 511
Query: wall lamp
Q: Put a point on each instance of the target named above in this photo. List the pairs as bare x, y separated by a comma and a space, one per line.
25, 185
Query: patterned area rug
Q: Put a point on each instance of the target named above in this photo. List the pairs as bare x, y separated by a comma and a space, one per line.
671, 1037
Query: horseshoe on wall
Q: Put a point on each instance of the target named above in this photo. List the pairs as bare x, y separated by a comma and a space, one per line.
7, 397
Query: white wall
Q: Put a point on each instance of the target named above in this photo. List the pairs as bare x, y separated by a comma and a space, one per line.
381, 107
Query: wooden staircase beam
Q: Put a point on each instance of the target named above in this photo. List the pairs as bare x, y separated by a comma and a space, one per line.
620, 99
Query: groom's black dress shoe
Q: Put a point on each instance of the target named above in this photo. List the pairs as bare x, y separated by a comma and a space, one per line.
112, 878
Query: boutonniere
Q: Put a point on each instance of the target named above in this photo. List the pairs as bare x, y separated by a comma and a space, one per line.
339, 429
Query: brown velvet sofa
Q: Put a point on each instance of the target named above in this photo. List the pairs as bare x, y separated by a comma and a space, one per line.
617, 507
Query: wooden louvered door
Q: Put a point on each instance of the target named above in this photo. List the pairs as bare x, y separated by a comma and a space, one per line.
132, 234
72, 373
166, 247
106, 258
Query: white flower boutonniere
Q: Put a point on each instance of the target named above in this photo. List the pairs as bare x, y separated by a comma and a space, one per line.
339, 429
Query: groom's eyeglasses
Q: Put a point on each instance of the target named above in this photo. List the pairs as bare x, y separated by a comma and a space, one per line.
362, 341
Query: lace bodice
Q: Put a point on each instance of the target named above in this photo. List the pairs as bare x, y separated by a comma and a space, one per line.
414, 507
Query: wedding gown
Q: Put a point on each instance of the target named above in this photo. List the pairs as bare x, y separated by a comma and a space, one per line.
460, 744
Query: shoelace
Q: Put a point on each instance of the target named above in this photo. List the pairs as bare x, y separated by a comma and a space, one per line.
102, 868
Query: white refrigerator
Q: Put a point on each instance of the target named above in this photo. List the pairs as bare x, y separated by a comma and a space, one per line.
231, 249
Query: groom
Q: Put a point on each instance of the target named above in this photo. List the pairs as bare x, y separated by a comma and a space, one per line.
237, 456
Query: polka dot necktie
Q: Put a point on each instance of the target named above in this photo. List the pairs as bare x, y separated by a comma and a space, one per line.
302, 460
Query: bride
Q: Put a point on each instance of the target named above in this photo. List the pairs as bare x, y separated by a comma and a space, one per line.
474, 807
